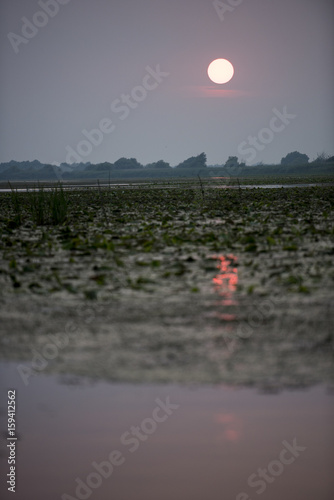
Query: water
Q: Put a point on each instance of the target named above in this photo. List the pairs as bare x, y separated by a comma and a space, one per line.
209, 444
266, 186
66, 187
70, 187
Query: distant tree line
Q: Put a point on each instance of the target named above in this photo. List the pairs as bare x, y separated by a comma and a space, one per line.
131, 167
195, 162
296, 158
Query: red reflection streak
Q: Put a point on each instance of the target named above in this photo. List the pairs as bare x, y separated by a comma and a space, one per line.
232, 426
214, 91
227, 279
226, 317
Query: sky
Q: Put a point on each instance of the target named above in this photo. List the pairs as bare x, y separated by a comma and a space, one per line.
96, 80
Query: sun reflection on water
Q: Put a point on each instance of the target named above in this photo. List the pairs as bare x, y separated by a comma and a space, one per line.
230, 426
226, 281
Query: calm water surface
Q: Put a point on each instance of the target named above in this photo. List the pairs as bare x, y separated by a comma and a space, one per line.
69, 187
155, 442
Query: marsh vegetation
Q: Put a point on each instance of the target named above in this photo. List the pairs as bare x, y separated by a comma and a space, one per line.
185, 284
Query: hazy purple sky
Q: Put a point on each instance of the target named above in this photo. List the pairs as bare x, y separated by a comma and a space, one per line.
72, 72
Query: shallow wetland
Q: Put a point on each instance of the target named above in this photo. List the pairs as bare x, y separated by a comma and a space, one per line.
184, 285
215, 306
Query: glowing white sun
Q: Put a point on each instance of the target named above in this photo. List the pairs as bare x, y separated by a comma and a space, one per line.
220, 71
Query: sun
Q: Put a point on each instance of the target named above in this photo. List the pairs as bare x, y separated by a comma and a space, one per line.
220, 71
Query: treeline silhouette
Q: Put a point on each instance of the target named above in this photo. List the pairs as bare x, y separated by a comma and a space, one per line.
292, 163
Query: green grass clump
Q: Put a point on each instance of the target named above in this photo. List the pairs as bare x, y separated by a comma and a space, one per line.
58, 206
38, 206
42, 207
16, 221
